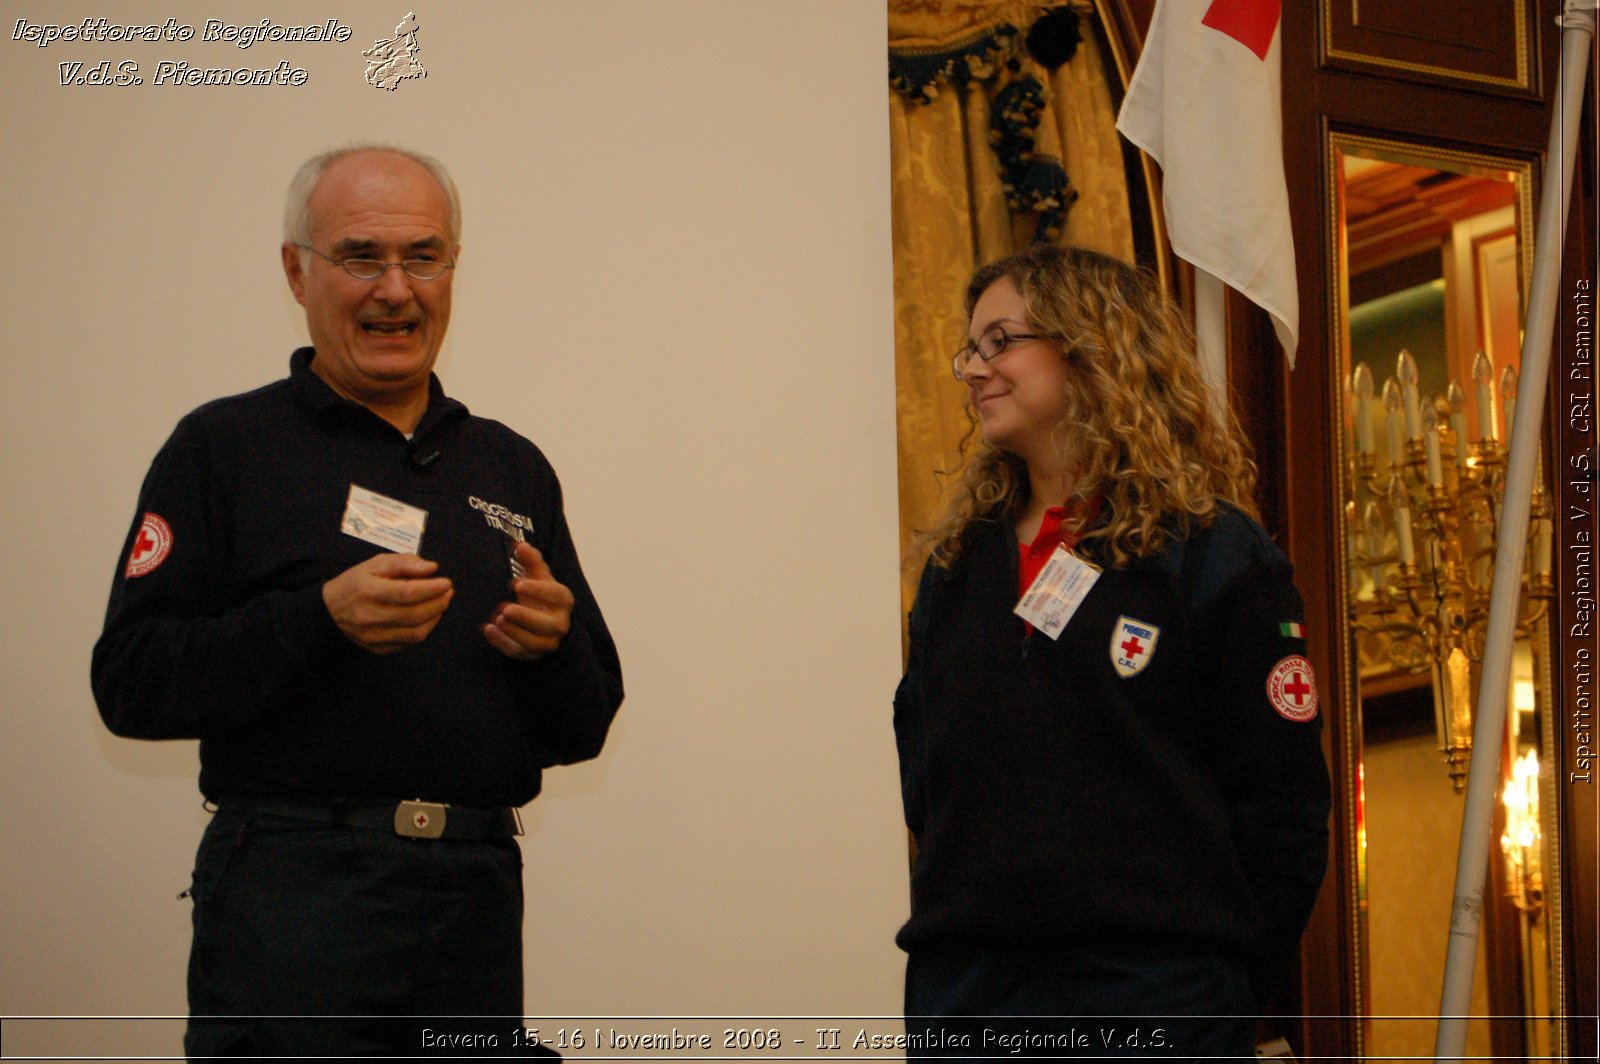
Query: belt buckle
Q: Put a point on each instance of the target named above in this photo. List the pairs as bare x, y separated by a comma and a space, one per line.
417, 819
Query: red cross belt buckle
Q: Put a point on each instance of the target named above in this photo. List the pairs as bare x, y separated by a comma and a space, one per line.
417, 819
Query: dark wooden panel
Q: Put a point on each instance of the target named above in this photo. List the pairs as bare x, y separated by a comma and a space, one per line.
1439, 114
1573, 432
1490, 45
1332, 996
1131, 19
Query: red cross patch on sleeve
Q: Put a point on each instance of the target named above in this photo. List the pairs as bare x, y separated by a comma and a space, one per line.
1292, 689
150, 547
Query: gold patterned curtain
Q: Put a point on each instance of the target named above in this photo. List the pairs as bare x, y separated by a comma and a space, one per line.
1001, 131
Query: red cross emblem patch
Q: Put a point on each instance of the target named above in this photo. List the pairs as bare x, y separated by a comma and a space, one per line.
150, 547
1292, 689
1132, 645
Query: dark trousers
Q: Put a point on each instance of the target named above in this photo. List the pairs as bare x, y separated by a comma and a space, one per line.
1126, 1001
324, 940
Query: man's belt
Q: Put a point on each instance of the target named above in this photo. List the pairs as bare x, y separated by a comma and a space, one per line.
414, 819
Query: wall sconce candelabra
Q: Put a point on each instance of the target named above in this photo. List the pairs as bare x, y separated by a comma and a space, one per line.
1422, 521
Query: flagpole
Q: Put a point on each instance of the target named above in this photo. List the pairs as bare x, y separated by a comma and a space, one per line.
1211, 334
1578, 26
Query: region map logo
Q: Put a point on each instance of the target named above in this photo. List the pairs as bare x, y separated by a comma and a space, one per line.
389, 62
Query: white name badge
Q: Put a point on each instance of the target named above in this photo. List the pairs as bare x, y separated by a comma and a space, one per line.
1057, 592
389, 523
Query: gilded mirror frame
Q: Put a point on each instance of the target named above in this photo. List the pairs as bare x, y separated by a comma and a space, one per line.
1348, 752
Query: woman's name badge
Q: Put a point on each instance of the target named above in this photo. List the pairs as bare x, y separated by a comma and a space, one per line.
1057, 592
387, 522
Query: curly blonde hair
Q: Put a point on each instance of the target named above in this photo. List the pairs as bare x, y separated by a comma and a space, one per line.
1140, 432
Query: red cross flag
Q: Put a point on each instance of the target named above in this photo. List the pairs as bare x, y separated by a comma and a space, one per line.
1205, 103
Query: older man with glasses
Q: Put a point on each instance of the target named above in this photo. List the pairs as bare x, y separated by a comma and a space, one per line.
366, 605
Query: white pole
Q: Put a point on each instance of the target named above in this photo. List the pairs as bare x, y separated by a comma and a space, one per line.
1211, 334
1488, 733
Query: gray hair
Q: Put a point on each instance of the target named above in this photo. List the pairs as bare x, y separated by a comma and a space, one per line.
297, 208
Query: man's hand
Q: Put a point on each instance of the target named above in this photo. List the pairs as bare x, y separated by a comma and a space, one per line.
538, 620
388, 602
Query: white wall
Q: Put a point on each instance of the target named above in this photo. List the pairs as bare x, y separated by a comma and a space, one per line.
676, 279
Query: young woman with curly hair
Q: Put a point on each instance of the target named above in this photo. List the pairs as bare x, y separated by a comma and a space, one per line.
1120, 822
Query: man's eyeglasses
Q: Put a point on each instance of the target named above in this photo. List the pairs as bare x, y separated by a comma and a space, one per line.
372, 269
990, 346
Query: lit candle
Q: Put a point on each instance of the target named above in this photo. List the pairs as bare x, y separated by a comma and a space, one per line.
1391, 420
1508, 391
1430, 441
1371, 538
1363, 392
1402, 522
1371, 525
1483, 374
1458, 421
1406, 370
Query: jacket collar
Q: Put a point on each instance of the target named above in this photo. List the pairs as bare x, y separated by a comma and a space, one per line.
318, 398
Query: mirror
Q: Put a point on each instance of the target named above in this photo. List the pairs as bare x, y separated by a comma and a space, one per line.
1432, 265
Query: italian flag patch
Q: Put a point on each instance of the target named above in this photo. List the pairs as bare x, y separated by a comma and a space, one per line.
1292, 629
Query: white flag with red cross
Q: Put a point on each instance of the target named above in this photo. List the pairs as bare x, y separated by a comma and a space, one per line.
1206, 103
